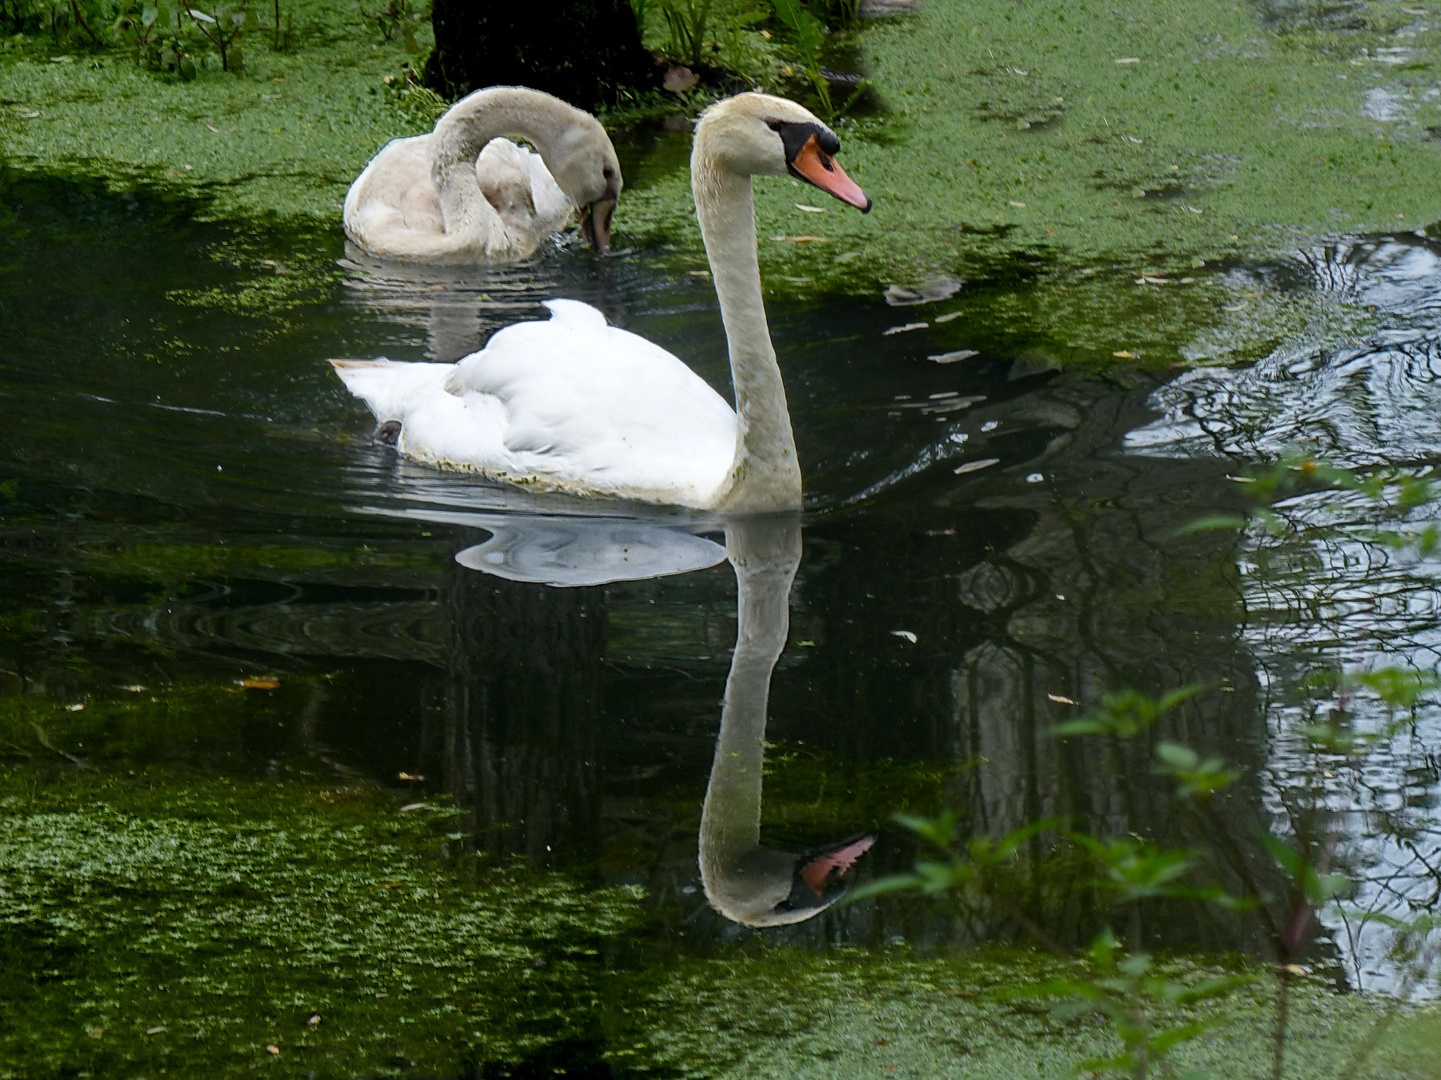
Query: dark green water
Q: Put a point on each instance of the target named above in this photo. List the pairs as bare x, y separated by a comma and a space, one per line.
189, 499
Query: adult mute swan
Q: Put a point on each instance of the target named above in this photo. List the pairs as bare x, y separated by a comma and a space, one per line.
745, 882
575, 405
465, 193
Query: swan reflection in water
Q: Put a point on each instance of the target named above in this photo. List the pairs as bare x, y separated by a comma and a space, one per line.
743, 881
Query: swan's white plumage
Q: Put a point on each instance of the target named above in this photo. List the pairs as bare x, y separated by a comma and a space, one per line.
569, 404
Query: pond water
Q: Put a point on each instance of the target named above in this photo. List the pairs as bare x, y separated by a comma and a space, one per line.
190, 498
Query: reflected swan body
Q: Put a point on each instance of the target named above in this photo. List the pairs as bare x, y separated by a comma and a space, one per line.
743, 881
575, 405
464, 193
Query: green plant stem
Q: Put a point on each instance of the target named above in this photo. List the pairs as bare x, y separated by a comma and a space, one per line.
79, 18
1283, 1017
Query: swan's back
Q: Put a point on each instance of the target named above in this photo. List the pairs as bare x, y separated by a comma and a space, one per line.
569, 404
393, 209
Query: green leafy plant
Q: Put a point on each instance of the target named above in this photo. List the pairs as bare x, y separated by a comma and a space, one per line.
142, 26
809, 37
1304, 850
688, 22
398, 21
223, 27
1130, 992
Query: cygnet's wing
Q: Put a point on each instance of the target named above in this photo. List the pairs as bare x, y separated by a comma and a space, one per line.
590, 403
394, 193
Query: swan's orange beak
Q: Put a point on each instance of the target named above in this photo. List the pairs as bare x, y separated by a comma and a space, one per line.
595, 224
815, 166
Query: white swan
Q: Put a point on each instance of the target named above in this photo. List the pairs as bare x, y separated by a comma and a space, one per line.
577, 406
743, 881
465, 193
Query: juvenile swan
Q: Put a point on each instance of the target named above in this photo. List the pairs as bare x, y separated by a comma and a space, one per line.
464, 193
578, 406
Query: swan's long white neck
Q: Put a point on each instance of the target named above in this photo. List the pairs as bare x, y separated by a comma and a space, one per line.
765, 475
739, 877
461, 134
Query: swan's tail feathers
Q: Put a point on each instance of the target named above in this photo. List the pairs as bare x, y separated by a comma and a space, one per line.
575, 314
342, 366
389, 387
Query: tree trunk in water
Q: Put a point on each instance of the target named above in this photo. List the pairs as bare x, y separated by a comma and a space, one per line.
586, 52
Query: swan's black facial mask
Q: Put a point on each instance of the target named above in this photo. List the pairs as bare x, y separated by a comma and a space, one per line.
810, 150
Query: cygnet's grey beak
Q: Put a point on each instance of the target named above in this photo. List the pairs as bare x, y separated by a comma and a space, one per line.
595, 224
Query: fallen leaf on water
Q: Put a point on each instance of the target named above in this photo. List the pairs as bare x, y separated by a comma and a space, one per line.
905, 634
903, 329
408, 776
810, 209
1059, 700
976, 466
268, 682
1124, 355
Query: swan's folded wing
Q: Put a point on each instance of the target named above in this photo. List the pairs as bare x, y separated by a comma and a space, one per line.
589, 400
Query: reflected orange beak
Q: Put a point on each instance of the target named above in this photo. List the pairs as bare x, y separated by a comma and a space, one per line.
817, 167
822, 870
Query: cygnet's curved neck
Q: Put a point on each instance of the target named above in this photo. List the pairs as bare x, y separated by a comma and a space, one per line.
461, 134
765, 552
765, 475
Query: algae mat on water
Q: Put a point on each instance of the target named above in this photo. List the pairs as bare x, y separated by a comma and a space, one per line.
282, 139
1096, 161
1154, 131
155, 923
159, 924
